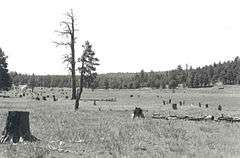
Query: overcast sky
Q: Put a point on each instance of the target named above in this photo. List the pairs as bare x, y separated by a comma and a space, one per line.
127, 35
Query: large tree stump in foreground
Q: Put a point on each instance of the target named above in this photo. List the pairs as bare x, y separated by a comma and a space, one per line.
17, 128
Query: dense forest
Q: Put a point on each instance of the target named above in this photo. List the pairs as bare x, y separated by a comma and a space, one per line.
226, 73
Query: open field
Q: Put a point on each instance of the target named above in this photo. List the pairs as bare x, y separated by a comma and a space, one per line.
107, 130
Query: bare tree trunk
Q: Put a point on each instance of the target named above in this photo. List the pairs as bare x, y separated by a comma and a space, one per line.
73, 61
69, 31
73, 84
73, 69
80, 92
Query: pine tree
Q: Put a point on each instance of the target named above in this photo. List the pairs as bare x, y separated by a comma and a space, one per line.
5, 79
87, 69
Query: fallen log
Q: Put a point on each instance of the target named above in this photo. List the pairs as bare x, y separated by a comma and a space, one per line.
92, 99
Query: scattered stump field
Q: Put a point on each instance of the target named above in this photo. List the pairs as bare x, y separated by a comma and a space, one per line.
108, 130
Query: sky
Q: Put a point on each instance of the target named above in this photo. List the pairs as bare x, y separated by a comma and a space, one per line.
127, 35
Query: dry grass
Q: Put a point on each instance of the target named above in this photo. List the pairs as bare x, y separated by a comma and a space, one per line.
112, 133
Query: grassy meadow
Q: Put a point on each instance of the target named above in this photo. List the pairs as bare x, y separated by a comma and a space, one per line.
107, 129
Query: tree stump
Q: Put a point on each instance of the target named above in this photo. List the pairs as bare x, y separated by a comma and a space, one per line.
54, 98
174, 106
164, 102
219, 107
180, 103
206, 105
17, 128
44, 98
138, 112
199, 104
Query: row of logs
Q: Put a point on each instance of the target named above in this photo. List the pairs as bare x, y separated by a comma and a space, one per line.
205, 118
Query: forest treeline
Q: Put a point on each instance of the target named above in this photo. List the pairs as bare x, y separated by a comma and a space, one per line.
227, 73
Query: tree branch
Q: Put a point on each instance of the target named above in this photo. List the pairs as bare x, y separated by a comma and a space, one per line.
62, 43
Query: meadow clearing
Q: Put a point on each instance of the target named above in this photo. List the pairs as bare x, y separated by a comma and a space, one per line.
107, 129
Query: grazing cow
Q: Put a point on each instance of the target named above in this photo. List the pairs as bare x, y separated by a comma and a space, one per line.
199, 104
174, 106
206, 105
219, 107
138, 112
131, 96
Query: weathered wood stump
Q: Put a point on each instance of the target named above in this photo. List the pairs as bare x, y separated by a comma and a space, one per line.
174, 106
44, 98
164, 102
138, 112
206, 105
54, 98
219, 107
17, 128
180, 103
199, 104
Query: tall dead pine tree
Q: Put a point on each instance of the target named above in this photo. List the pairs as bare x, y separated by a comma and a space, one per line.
68, 32
88, 63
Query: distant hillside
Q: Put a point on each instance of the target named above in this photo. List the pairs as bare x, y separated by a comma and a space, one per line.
227, 73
